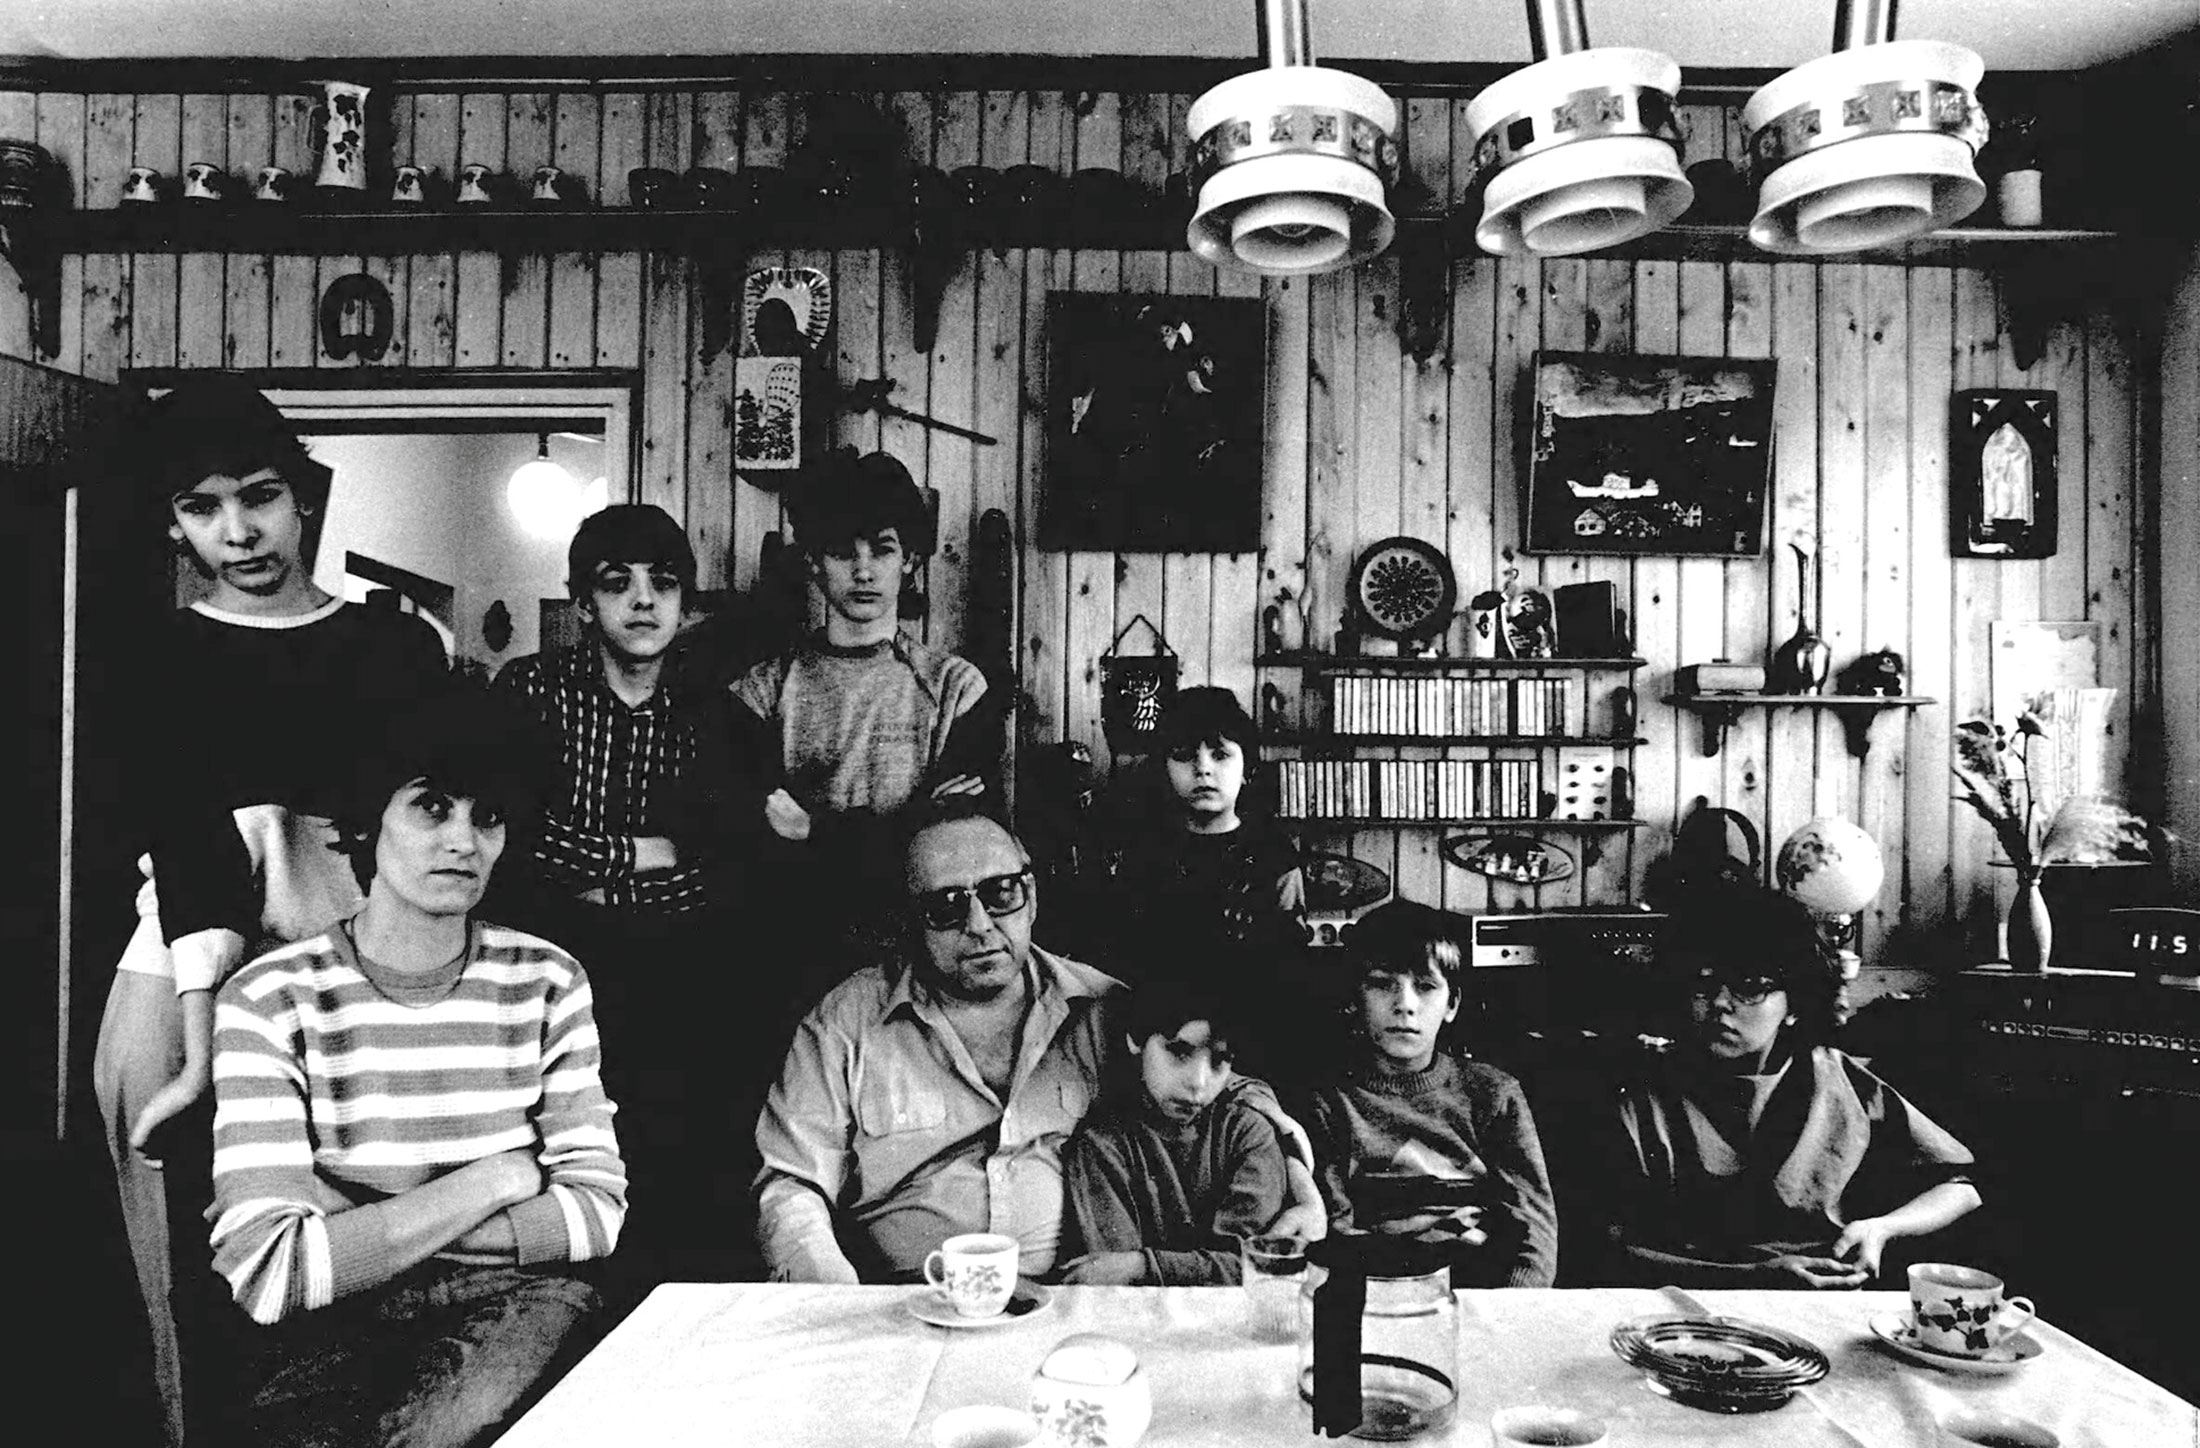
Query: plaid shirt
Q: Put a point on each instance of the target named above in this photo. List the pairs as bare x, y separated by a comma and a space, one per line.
625, 770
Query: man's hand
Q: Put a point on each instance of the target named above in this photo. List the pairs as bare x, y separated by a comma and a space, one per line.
1862, 1243
655, 854
1800, 1270
959, 784
1107, 1269
788, 819
167, 1103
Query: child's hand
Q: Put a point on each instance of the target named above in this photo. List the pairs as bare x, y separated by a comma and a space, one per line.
959, 784
1107, 1269
788, 819
1307, 1221
169, 1102
1862, 1242
1799, 1270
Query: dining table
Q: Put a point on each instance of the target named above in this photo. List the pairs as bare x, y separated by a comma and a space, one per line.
817, 1366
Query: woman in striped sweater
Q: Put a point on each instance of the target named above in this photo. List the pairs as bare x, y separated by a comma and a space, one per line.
412, 1146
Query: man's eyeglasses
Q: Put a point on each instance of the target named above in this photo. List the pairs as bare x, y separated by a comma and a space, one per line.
1747, 991
949, 908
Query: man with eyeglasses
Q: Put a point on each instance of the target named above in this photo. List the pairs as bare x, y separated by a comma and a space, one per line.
932, 1095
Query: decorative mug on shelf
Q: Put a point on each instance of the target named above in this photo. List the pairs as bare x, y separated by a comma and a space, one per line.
205, 181
142, 185
271, 184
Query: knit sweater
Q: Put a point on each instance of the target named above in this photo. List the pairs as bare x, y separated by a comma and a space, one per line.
1180, 1194
1412, 1153
336, 1077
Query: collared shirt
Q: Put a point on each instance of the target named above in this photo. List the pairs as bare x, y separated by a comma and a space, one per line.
623, 771
880, 1123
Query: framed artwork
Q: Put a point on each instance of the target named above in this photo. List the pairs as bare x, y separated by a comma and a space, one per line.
2002, 495
1649, 454
1154, 412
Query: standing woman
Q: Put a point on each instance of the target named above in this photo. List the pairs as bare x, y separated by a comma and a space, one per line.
1758, 1154
255, 702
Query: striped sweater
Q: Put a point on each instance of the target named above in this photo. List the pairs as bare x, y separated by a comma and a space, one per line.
340, 1081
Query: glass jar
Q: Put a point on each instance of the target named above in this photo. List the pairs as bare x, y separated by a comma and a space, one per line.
1403, 1349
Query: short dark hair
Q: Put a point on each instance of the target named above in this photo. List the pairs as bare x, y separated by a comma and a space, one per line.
627, 533
1405, 937
1739, 930
470, 741
216, 424
1165, 1005
1208, 715
855, 497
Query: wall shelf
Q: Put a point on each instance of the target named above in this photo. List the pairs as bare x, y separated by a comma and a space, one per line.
1339, 663
1858, 712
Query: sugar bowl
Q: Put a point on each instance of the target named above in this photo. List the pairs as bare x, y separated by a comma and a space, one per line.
1090, 1392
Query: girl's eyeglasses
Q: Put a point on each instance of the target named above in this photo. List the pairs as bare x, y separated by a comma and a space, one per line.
1748, 991
949, 908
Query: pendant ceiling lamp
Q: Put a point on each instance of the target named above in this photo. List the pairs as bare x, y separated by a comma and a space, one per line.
1869, 145
1578, 151
1292, 165
545, 498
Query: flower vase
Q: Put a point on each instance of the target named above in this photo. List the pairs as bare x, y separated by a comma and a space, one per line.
2031, 929
1800, 665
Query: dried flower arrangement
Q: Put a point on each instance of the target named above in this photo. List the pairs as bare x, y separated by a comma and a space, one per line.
2084, 829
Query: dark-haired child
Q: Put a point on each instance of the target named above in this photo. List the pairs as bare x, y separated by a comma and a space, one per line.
254, 703
1200, 880
1756, 1153
1415, 1141
860, 719
411, 1139
1168, 1173
634, 853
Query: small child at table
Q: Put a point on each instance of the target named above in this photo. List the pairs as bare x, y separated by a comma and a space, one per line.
1167, 1174
1410, 1139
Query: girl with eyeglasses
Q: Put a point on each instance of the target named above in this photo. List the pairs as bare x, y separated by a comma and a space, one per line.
1756, 1153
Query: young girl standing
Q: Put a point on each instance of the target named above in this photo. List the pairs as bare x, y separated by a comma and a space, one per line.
256, 701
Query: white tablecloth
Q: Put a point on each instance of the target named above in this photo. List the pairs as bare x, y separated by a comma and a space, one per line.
817, 1367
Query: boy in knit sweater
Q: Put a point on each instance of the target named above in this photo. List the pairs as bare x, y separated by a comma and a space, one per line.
860, 719
411, 1140
1414, 1141
1166, 1176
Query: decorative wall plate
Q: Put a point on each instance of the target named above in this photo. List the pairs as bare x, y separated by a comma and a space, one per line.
1338, 882
807, 292
1515, 859
1404, 588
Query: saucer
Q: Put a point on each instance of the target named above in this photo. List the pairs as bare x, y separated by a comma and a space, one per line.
931, 1305
2012, 1352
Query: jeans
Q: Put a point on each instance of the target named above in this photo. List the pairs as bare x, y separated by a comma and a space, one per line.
442, 1357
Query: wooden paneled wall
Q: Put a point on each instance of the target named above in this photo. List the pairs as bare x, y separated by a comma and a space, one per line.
1362, 441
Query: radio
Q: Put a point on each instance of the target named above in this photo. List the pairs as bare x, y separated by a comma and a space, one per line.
1563, 937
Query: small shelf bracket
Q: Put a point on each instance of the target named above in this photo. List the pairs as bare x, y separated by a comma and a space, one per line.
1858, 713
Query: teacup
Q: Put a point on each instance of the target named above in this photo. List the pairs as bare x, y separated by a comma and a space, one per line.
474, 182
141, 185
1985, 1428
409, 187
553, 187
1537, 1426
1961, 1310
975, 1271
272, 184
204, 181
650, 187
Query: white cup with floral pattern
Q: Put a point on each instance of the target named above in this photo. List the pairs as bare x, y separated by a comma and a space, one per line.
975, 1272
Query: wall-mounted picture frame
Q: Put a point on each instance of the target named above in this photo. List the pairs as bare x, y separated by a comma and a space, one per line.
1649, 454
1154, 412
2002, 489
